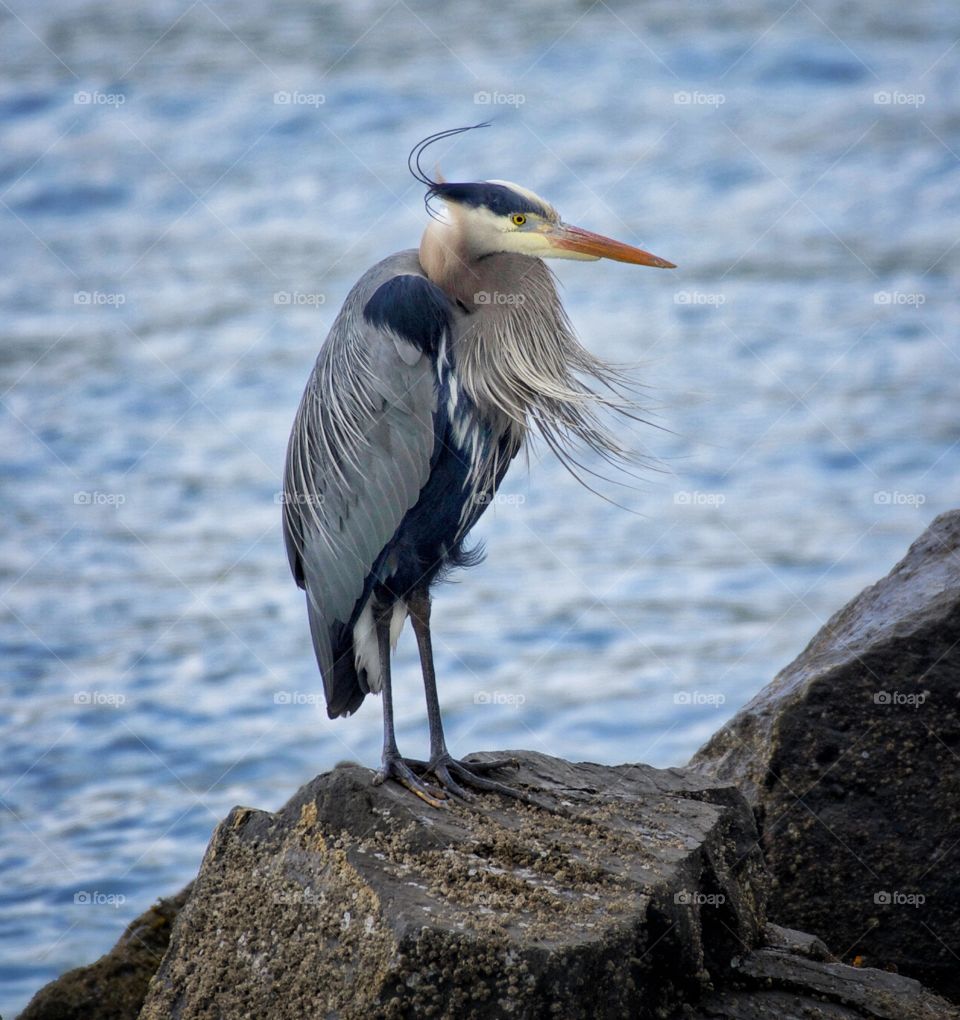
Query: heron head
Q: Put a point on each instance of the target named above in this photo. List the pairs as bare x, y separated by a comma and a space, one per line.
499, 216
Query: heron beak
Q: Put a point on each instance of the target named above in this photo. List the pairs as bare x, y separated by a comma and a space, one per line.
596, 246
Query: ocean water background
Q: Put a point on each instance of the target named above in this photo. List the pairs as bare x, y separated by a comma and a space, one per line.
187, 192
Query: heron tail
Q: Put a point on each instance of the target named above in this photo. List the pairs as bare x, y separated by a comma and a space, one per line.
341, 685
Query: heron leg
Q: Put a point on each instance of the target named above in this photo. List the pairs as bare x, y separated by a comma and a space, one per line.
392, 764
452, 774
418, 605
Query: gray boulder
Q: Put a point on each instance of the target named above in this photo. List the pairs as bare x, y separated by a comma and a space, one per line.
633, 893
851, 761
357, 900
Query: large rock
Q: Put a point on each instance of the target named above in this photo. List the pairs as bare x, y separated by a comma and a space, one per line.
640, 895
851, 760
357, 901
112, 988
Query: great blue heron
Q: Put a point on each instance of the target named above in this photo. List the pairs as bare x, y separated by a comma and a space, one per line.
433, 373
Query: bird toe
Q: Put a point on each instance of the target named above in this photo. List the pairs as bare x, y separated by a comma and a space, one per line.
398, 770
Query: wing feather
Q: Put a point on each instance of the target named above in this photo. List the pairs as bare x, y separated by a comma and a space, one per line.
360, 453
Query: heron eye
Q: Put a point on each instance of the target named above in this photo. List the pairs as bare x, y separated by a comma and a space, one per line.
518, 219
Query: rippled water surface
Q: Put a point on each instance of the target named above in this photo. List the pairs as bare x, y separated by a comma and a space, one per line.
188, 191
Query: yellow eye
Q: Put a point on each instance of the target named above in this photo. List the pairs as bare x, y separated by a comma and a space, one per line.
518, 219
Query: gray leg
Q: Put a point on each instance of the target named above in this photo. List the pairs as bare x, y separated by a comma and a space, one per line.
419, 607
392, 765
390, 749
442, 764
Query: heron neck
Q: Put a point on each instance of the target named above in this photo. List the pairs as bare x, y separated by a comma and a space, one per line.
515, 351
447, 261
516, 355
488, 283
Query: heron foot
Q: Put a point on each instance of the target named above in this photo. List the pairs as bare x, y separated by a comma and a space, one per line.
395, 767
455, 776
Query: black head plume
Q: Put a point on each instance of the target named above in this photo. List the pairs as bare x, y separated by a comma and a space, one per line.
416, 154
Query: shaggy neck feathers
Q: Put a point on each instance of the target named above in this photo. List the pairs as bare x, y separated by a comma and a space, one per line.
515, 353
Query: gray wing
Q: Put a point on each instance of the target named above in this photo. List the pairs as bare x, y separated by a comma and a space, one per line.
360, 452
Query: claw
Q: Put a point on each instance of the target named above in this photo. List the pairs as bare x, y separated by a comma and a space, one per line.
398, 769
420, 791
442, 772
479, 767
453, 777
465, 771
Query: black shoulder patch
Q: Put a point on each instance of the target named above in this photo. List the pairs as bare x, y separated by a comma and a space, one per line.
499, 199
413, 308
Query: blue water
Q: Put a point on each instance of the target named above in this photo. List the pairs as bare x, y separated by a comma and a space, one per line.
174, 241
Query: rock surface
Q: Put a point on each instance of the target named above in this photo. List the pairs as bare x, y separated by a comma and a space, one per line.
360, 901
642, 893
640, 896
778, 984
114, 987
851, 761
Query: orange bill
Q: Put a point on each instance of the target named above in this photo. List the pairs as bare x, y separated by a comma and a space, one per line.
599, 247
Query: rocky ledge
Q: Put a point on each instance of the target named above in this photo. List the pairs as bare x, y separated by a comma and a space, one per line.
634, 892
630, 892
360, 901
